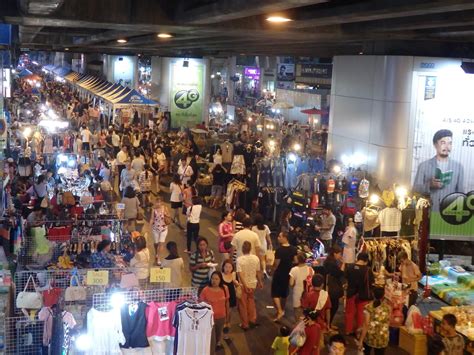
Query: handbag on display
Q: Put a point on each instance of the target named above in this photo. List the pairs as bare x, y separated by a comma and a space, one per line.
75, 293
27, 299
129, 281
51, 296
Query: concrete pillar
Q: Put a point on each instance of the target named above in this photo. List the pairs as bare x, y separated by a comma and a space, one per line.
123, 69
231, 71
370, 114
155, 88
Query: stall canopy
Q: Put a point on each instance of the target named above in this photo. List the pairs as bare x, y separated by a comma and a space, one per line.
24, 72
115, 94
134, 98
61, 71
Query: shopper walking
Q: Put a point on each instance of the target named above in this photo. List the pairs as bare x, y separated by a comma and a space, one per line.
141, 261
263, 233
159, 220
217, 295
298, 275
193, 215
128, 178
246, 235
229, 277
200, 263
334, 271
176, 198
145, 180
375, 331
359, 292
226, 234
175, 263
131, 209
284, 257
250, 277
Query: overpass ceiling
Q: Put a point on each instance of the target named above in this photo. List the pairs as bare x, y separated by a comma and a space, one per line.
239, 27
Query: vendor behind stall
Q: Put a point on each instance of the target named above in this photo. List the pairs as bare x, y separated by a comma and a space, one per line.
409, 271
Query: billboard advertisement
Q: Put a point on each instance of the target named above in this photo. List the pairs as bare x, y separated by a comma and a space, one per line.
286, 72
443, 158
187, 93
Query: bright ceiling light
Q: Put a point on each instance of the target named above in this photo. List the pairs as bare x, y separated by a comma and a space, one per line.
278, 19
122, 40
164, 35
66, 49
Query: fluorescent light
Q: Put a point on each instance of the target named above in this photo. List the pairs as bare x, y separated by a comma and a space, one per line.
66, 49
164, 35
278, 19
122, 40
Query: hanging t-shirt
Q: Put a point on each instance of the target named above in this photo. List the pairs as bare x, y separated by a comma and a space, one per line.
331, 186
105, 332
194, 331
134, 325
390, 219
227, 152
159, 317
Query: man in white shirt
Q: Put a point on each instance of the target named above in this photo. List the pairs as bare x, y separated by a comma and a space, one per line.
122, 158
115, 142
185, 171
86, 138
250, 276
246, 235
128, 177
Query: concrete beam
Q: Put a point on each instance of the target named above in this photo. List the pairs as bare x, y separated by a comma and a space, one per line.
377, 10
227, 10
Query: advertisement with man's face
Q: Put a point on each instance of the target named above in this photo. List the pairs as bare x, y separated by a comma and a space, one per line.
443, 159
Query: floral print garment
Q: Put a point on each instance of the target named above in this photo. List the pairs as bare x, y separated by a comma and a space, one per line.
377, 333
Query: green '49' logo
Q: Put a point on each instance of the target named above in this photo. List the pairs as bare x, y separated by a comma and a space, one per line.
185, 98
457, 208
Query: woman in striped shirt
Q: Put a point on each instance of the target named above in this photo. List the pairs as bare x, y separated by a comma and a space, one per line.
200, 263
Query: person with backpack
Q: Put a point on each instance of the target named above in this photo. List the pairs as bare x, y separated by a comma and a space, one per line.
298, 275
359, 292
316, 298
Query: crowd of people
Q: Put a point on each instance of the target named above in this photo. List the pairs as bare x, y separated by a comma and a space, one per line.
130, 164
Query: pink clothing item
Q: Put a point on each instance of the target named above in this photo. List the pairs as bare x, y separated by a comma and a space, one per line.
159, 319
46, 315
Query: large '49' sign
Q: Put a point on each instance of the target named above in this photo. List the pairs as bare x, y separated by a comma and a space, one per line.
185, 98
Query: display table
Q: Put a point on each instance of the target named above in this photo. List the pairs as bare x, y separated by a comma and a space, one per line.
464, 315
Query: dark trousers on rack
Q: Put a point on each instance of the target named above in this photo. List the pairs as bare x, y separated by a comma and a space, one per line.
192, 234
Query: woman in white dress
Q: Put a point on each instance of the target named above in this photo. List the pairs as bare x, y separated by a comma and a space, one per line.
298, 274
349, 239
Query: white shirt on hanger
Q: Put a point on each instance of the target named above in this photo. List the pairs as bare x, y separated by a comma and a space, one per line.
390, 219
105, 332
194, 331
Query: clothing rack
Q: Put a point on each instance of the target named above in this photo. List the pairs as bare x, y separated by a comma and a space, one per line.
105, 301
61, 279
23, 335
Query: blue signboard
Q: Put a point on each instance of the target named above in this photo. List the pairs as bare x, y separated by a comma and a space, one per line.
5, 34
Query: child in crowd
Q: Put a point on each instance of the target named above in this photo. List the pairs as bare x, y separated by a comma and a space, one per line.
281, 343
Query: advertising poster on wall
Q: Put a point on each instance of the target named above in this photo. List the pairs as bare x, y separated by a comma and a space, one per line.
187, 93
443, 159
286, 72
